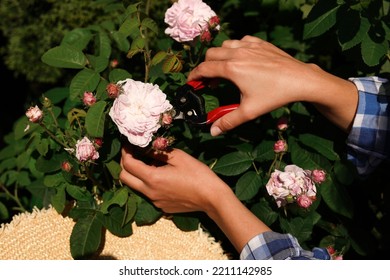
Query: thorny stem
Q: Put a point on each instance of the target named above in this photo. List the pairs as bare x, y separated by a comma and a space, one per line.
147, 52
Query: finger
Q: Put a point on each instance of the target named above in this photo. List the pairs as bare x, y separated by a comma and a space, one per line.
135, 166
208, 70
228, 122
252, 39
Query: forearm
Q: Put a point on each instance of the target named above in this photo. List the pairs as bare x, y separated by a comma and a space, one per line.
237, 222
335, 98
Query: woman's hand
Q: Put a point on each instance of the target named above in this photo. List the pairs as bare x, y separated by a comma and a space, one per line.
176, 183
180, 183
269, 78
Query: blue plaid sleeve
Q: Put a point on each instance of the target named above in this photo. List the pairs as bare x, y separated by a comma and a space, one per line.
276, 246
368, 140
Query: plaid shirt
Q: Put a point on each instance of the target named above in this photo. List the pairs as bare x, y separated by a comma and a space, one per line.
368, 140
368, 146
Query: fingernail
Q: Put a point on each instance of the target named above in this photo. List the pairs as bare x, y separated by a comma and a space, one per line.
215, 131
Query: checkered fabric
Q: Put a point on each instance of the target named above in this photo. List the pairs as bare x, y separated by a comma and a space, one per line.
368, 141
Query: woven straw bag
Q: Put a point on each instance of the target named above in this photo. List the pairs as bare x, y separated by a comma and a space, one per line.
44, 235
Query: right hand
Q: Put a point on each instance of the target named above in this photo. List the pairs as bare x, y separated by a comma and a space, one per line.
268, 78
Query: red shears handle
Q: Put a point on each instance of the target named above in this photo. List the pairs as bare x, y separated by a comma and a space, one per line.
215, 114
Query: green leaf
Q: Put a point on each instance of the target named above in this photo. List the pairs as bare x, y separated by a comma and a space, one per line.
373, 52
57, 94
23, 178
186, 222
131, 209
264, 151
345, 172
119, 198
119, 74
78, 192
64, 57
359, 36
104, 45
113, 221
85, 80
306, 159
299, 227
48, 165
158, 57
150, 24
336, 197
319, 144
59, 199
4, 214
322, 23
233, 164
121, 41
114, 168
77, 38
95, 119
146, 213
98, 63
248, 185
86, 237
264, 212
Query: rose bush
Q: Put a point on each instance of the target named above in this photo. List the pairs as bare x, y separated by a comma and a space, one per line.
125, 71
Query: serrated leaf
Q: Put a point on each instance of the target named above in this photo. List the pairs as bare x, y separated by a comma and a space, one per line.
86, 236
264, 151
95, 119
319, 144
57, 94
119, 198
119, 74
186, 222
104, 45
114, 168
77, 38
233, 164
150, 24
85, 80
248, 185
306, 159
113, 221
373, 52
59, 199
321, 24
146, 213
98, 63
263, 211
299, 227
336, 197
64, 57
78, 192
121, 41
158, 57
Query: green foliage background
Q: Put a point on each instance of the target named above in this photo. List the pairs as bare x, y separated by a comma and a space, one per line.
345, 37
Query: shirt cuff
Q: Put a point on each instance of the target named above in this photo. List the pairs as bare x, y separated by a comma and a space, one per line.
367, 144
276, 246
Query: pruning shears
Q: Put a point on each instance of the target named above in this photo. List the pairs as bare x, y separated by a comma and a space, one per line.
190, 105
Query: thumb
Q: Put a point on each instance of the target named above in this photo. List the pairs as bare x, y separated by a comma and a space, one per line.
227, 122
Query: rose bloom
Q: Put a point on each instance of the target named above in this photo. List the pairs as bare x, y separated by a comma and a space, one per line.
282, 123
318, 176
85, 150
187, 19
137, 111
304, 201
88, 98
280, 146
113, 90
294, 181
34, 114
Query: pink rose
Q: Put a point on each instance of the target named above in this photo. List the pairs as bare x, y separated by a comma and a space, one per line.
66, 166
85, 150
292, 183
280, 146
161, 143
34, 114
282, 123
113, 90
304, 201
318, 176
187, 19
137, 111
88, 98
